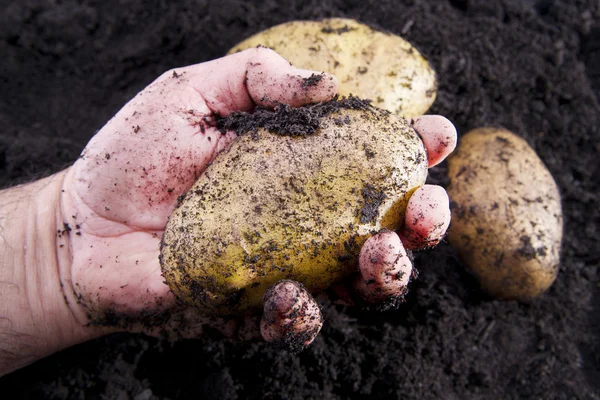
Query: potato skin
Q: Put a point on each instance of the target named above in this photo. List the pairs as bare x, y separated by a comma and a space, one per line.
506, 214
368, 63
275, 207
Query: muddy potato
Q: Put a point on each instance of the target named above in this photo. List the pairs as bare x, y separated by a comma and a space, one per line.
506, 214
368, 63
275, 206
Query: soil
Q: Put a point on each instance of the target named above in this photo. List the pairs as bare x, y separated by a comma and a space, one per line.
294, 121
531, 66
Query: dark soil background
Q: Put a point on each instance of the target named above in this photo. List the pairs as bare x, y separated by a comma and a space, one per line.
532, 66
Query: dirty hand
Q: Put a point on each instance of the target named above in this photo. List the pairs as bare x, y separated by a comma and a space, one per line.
117, 197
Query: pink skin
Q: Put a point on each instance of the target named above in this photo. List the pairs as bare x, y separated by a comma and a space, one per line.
117, 198
385, 268
427, 218
439, 136
291, 316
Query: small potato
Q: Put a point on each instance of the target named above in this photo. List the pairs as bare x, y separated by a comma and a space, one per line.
506, 214
369, 63
294, 205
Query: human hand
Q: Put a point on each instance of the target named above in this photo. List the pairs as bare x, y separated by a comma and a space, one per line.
118, 196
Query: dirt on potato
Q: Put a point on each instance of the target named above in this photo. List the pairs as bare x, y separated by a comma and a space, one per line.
528, 66
289, 121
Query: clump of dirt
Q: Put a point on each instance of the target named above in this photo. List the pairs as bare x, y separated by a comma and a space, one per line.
291, 121
312, 80
373, 199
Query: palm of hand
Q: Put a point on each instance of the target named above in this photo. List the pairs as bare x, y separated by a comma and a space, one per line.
125, 185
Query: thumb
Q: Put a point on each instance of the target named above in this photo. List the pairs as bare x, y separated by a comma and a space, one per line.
259, 76
275, 81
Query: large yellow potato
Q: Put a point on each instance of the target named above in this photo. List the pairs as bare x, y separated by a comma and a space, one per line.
506, 214
369, 63
275, 207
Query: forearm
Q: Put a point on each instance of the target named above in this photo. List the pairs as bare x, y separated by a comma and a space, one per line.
35, 321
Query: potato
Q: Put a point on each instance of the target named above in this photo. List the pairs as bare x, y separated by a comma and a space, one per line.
507, 218
368, 63
277, 206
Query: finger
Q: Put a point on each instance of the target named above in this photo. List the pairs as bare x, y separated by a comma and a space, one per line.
276, 81
292, 318
258, 76
438, 135
385, 269
427, 217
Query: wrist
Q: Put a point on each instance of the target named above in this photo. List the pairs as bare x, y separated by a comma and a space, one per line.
35, 320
